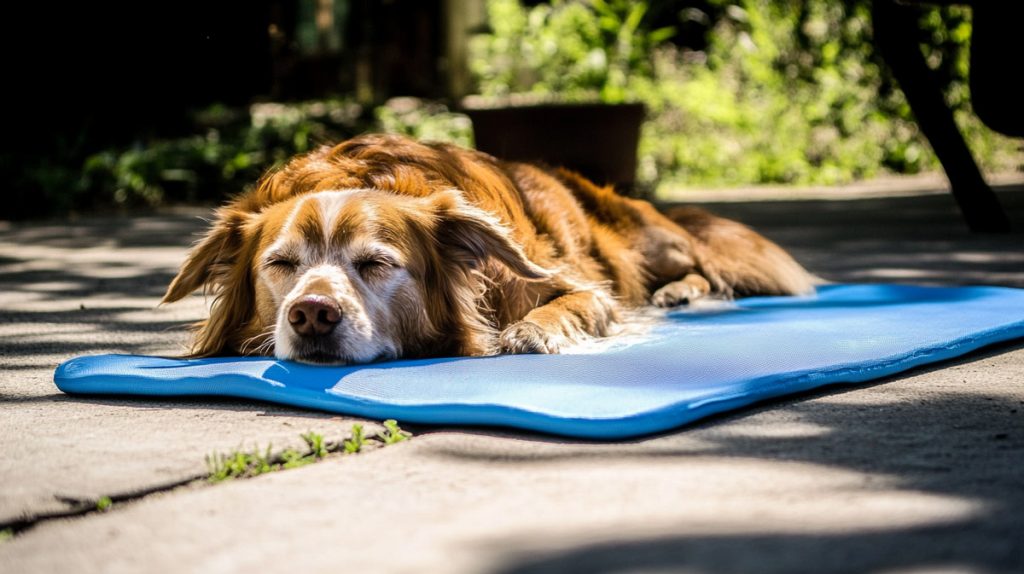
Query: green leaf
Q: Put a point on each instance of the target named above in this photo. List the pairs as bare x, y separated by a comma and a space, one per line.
661, 34
393, 433
356, 442
636, 14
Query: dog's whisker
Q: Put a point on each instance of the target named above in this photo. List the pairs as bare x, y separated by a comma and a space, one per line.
264, 339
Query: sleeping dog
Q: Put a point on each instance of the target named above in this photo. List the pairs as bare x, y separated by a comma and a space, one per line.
383, 247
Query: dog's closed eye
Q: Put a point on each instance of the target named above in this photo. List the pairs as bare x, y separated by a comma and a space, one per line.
282, 263
374, 265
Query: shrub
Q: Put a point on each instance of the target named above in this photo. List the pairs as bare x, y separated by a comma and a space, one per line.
230, 151
780, 92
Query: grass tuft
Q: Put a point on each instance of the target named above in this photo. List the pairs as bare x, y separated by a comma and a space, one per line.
315, 442
243, 464
394, 433
356, 443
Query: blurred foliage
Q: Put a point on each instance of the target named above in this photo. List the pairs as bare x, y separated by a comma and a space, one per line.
575, 50
424, 120
230, 150
737, 92
780, 91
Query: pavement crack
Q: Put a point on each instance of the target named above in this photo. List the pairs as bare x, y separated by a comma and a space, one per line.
80, 506
221, 467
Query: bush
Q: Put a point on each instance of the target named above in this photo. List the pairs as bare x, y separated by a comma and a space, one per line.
424, 120
230, 150
572, 50
781, 92
772, 92
234, 147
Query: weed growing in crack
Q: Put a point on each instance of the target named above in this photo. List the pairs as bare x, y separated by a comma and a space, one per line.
291, 458
104, 503
316, 444
241, 464
393, 433
6, 534
354, 444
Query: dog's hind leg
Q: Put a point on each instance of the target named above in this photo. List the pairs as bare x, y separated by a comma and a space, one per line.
739, 261
565, 320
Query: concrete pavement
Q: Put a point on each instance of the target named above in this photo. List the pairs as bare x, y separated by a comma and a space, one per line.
921, 472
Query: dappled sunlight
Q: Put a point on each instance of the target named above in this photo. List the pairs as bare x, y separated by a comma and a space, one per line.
55, 286
178, 226
779, 430
93, 287
880, 471
47, 278
985, 258
103, 261
574, 508
74, 304
766, 497
191, 309
910, 239
785, 496
898, 274
29, 332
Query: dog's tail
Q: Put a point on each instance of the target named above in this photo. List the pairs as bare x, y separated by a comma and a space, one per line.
744, 260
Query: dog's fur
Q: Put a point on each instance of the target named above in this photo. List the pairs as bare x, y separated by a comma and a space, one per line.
382, 247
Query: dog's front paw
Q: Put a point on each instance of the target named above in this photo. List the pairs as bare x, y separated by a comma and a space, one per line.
526, 337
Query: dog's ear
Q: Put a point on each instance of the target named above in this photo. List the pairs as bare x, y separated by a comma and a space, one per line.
475, 235
220, 263
212, 256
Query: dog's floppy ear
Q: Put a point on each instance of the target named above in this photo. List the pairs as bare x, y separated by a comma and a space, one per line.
211, 256
476, 235
220, 263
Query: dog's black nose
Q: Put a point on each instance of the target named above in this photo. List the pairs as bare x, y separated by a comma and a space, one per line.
314, 315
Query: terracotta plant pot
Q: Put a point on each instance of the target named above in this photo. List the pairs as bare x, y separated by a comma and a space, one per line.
597, 140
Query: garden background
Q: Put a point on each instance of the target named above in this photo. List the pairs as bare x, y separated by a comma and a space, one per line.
143, 107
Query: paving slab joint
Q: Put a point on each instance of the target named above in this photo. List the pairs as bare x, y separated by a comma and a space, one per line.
221, 467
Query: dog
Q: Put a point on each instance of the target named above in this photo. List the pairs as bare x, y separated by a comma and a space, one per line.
383, 247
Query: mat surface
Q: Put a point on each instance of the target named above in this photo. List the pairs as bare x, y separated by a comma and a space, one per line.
692, 364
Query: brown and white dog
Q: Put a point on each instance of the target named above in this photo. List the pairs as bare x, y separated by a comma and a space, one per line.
383, 247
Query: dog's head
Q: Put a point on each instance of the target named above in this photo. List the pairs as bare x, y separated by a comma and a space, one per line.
349, 276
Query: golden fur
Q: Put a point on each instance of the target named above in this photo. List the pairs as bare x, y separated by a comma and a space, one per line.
393, 248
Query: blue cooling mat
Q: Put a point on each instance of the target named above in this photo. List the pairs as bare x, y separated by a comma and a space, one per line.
693, 364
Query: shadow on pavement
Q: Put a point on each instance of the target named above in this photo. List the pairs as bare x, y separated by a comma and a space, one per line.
920, 239
927, 549
118, 231
981, 463
960, 444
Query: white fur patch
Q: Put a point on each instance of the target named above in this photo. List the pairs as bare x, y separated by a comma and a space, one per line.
329, 204
636, 326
